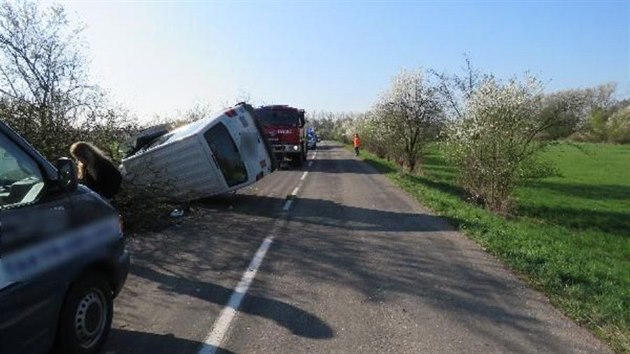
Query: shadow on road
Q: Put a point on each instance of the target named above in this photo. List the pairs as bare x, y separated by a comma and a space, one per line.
383, 255
327, 146
175, 271
350, 166
387, 266
299, 322
142, 342
329, 213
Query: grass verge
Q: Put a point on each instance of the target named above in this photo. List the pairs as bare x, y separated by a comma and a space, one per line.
570, 237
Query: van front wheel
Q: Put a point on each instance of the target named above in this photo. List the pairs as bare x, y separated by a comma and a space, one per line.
86, 316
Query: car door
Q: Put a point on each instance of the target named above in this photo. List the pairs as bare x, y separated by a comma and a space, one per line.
30, 211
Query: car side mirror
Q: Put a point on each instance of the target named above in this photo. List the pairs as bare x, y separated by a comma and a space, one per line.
66, 174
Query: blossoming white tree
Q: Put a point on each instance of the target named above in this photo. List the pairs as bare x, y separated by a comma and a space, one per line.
496, 136
571, 110
45, 91
409, 116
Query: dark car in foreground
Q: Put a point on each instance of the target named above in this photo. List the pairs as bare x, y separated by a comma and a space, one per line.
62, 255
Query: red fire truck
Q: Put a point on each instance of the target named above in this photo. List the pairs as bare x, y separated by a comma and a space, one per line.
284, 127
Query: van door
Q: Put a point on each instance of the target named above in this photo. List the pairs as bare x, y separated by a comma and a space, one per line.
28, 306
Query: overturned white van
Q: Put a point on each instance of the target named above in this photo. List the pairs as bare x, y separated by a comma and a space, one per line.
218, 154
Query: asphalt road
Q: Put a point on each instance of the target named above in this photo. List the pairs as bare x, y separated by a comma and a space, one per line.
354, 266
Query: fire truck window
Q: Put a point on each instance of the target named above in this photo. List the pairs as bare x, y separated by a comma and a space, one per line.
278, 117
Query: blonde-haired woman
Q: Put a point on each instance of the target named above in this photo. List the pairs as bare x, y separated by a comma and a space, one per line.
95, 170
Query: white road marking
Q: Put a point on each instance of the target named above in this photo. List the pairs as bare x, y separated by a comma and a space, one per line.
213, 341
310, 163
222, 324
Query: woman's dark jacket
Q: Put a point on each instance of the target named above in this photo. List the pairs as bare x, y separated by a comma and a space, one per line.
107, 180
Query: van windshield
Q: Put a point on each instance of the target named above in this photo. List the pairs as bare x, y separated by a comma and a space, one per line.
226, 155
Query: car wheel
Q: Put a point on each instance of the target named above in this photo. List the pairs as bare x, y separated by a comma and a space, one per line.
86, 316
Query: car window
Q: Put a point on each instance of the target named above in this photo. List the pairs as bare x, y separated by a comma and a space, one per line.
21, 180
226, 154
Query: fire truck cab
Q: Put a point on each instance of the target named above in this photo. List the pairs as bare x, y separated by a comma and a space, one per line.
284, 127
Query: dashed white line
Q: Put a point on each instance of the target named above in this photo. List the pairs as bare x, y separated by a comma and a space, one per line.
222, 324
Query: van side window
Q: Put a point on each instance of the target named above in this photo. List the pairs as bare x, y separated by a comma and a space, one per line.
21, 181
226, 154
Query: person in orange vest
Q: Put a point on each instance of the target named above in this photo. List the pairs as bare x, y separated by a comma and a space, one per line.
356, 141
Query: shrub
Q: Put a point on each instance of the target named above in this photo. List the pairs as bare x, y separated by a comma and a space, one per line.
496, 139
143, 208
618, 126
408, 117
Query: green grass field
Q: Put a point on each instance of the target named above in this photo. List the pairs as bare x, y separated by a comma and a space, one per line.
569, 237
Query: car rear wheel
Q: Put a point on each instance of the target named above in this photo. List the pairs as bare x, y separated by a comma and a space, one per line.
86, 316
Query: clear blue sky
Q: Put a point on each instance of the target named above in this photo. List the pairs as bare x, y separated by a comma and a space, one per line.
158, 57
